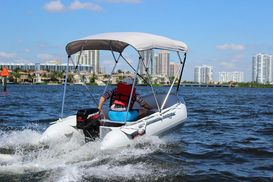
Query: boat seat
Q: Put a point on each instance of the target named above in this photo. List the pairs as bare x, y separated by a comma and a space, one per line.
120, 116
107, 122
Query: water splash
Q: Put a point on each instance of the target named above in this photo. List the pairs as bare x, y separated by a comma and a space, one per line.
20, 153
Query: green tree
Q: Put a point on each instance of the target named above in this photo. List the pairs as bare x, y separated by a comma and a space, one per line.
120, 71
16, 74
30, 78
70, 78
92, 79
53, 76
171, 79
253, 85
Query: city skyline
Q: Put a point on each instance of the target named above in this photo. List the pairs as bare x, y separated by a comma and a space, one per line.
159, 64
221, 33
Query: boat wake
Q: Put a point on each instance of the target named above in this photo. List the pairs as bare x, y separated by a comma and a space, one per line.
21, 154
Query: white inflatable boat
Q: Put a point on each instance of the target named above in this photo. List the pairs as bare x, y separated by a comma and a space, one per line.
167, 110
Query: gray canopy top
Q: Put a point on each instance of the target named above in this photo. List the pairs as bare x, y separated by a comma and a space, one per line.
118, 41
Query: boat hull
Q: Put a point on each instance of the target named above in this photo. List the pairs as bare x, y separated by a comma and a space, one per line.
157, 124
60, 131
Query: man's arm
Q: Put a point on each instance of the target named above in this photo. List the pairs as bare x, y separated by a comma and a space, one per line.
103, 98
101, 103
142, 103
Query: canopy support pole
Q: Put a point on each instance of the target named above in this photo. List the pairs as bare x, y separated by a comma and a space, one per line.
90, 93
78, 73
132, 89
150, 82
113, 69
92, 96
182, 69
177, 74
76, 67
133, 68
65, 88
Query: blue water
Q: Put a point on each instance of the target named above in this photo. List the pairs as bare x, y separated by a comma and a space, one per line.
227, 137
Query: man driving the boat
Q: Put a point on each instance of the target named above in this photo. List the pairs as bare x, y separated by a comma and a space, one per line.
119, 100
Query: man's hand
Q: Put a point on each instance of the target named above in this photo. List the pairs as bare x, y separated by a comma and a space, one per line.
148, 107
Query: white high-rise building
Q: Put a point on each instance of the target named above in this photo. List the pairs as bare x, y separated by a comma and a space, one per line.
154, 64
173, 68
262, 68
163, 61
148, 56
236, 76
89, 57
203, 74
197, 74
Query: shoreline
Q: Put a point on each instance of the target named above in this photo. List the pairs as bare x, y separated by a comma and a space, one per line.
245, 85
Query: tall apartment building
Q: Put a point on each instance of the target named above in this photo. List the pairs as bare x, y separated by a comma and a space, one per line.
158, 64
236, 76
154, 64
149, 60
89, 57
262, 68
203, 74
173, 68
163, 63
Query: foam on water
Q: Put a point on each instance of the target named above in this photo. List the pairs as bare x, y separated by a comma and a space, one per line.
74, 160
19, 138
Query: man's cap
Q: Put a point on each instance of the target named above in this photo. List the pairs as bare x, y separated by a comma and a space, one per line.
127, 80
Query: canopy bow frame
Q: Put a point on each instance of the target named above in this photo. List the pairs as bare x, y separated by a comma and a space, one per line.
117, 42
120, 40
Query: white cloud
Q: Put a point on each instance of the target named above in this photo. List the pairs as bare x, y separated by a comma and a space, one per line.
227, 65
7, 54
27, 50
45, 57
124, 1
234, 47
11, 57
54, 6
21, 60
76, 5
58, 6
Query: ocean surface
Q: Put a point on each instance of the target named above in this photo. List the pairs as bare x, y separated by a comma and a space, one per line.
227, 137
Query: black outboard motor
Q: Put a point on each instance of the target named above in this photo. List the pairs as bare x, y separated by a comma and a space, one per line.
88, 121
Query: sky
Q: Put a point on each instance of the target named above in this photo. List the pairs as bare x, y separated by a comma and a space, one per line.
224, 34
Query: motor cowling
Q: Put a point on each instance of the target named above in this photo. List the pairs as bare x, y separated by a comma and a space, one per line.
89, 121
